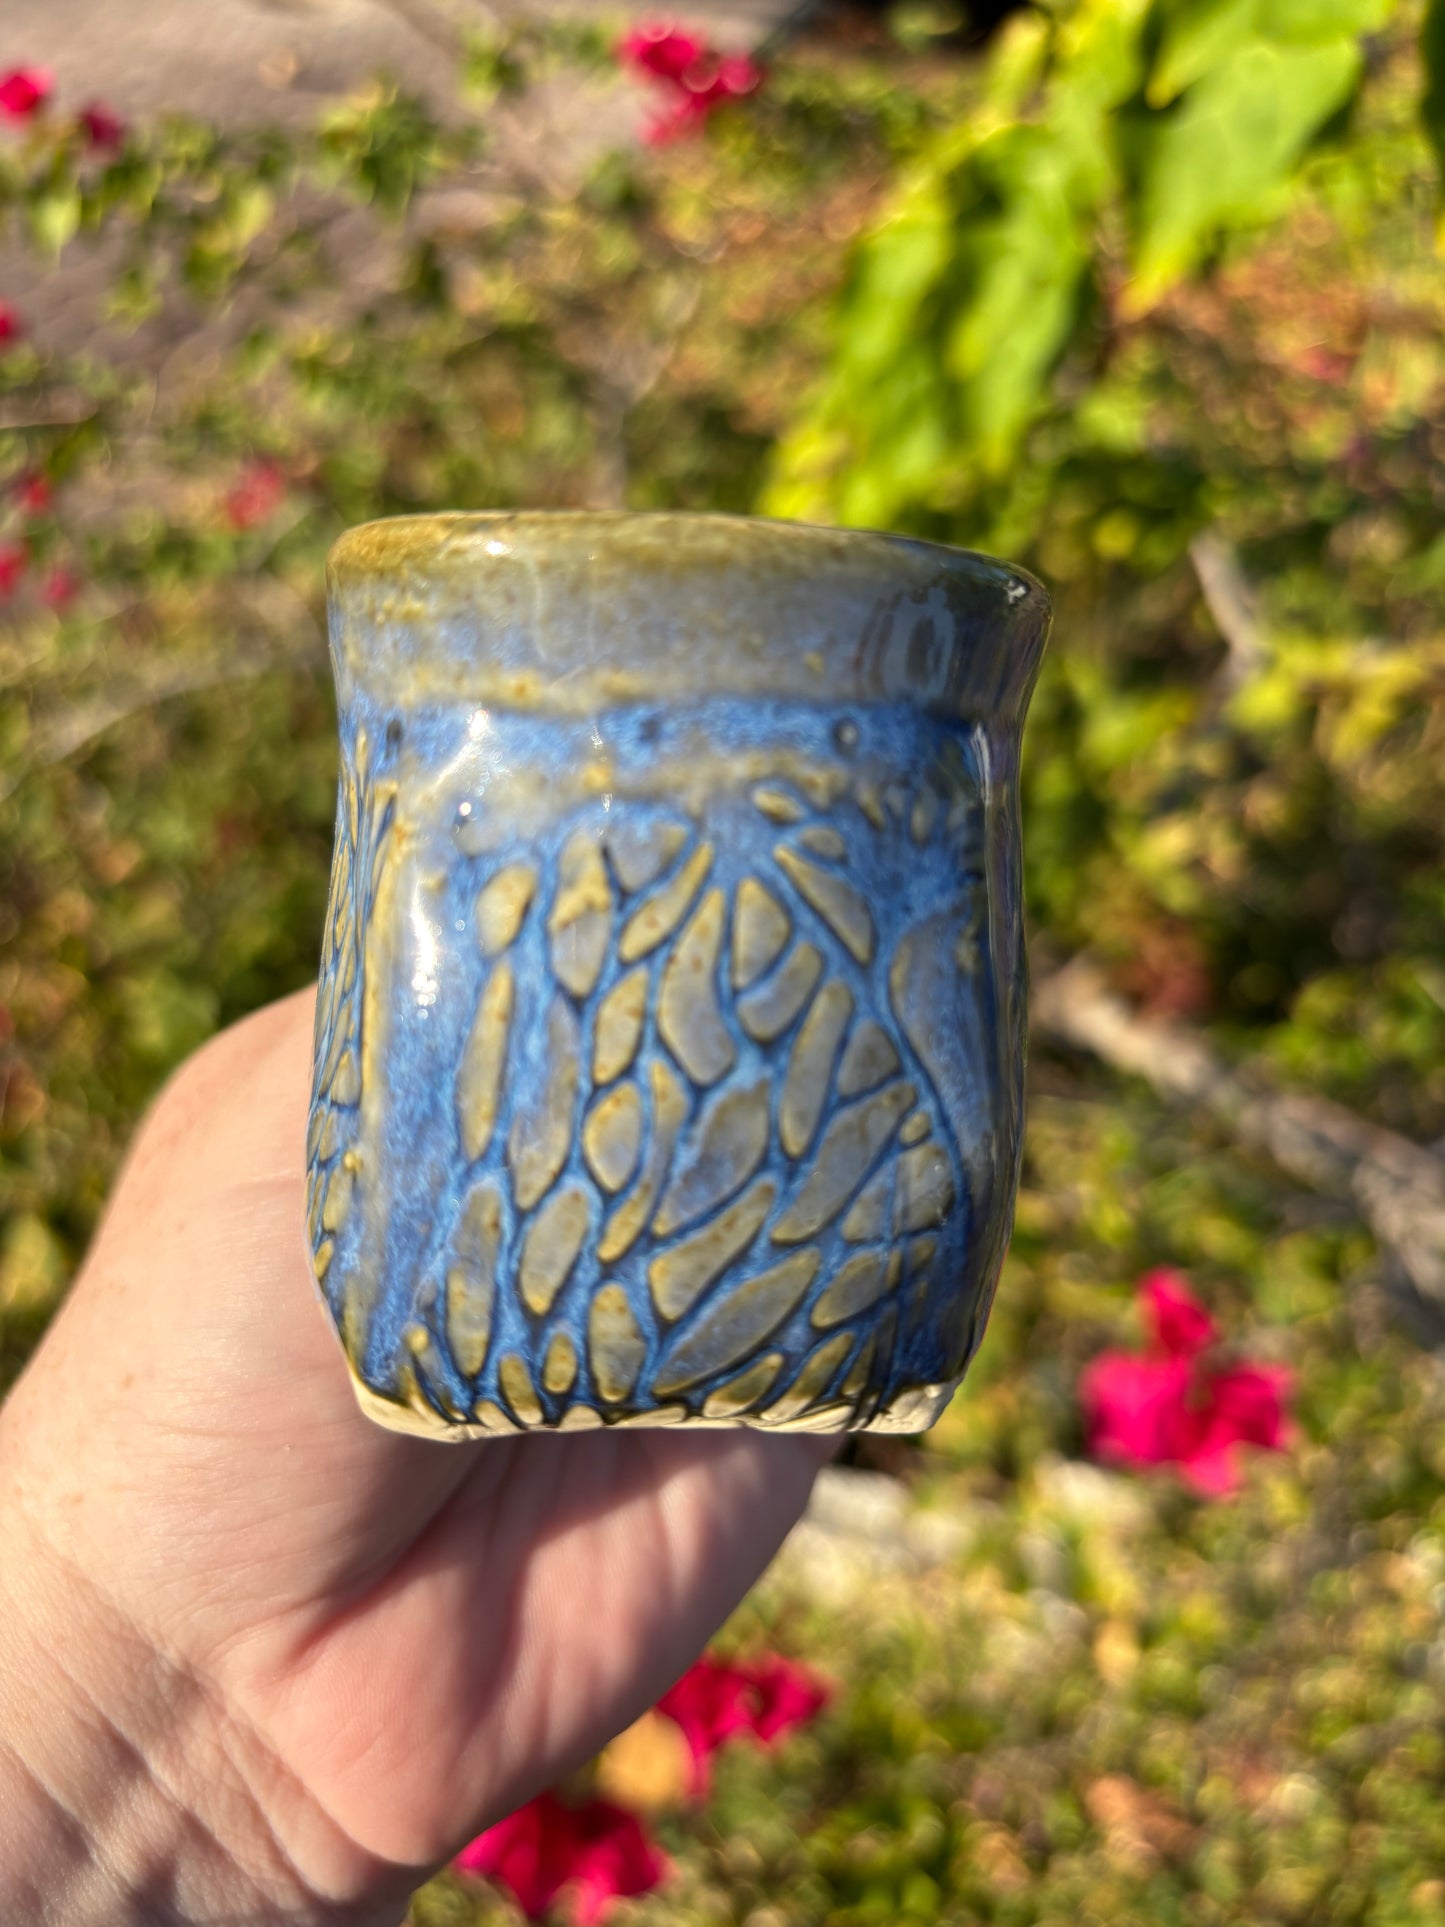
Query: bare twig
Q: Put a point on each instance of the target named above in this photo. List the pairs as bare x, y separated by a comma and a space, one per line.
1231, 602
794, 22
1397, 1187
622, 380
63, 409
429, 24
56, 737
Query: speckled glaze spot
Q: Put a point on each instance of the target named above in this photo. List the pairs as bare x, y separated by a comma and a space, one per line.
761, 927
810, 1067
679, 1275
550, 1246
771, 1009
670, 1024
502, 905
612, 1136
617, 1034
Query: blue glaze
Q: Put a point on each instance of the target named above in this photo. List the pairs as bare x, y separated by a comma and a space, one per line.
440, 795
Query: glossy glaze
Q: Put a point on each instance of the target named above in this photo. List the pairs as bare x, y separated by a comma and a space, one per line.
670, 1035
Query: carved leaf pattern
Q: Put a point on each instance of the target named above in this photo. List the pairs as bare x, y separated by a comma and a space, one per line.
727, 1124
362, 821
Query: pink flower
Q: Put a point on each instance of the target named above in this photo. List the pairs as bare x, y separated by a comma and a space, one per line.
102, 128
14, 557
60, 587
789, 1696
712, 1701
1181, 1325
1137, 1408
1247, 1406
695, 78
700, 92
717, 1698
23, 91
33, 493
736, 75
1170, 1407
597, 1850
256, 496
661, 48
10, 324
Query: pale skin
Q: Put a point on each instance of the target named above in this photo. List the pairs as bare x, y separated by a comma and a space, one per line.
262, 1661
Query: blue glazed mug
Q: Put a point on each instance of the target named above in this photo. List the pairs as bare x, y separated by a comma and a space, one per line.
669, 1041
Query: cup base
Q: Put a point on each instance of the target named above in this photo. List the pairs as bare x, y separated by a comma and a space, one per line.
913, 1409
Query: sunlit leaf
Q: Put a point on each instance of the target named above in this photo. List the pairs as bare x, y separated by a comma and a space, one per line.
982, 266
1225, 155
1320, 20
1197, 36
54, 218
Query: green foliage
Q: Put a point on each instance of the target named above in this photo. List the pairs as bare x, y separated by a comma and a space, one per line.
383, 147
964, 297
1113, 148
1227, 820
167, 755
1220, 159
1100, 1699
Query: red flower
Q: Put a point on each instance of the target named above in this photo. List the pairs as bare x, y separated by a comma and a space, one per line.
102, 128
23, 91
598, 1850
712, 1701
10, 327
789, 1696
13, 559
660, 48
33, 493
256, 497
696, 78
1169, 1407
1137, 1408
716, 1698
60, 587
1182, 1326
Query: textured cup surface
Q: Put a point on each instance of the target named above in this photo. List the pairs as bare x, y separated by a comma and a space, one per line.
670, 1032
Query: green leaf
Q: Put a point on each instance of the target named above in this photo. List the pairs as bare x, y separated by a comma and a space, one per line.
492, 67
1024, 271
1098, 67
897, 267
54, 217
965, 298
1223, 156
1198, 36
1315, 21
248, 214
1017, 64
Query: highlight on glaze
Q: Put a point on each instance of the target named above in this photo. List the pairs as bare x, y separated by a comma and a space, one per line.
668, 1047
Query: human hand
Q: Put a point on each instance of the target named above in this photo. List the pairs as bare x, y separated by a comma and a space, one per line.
260, 1660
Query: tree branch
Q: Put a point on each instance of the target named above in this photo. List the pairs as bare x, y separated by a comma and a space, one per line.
1230, 601
1398, 1187
283, 635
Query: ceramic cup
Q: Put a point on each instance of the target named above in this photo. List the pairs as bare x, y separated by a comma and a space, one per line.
670, 1034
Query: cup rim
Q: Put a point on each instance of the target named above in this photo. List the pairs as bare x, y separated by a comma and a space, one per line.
392, 543
565, 609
